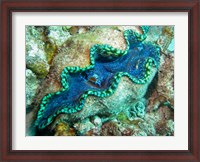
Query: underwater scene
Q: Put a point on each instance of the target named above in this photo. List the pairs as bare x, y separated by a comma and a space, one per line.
99, 80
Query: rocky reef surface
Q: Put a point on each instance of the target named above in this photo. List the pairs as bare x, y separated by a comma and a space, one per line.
132, 110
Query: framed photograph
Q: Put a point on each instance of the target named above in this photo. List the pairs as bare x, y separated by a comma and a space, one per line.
100, 81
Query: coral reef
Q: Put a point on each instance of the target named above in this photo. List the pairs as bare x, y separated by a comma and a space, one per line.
125, 85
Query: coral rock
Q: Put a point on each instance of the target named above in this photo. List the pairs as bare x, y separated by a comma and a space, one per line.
110, 129
63, 129
32, 84
36, 59
83, 126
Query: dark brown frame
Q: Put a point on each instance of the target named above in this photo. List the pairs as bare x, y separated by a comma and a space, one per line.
192, 7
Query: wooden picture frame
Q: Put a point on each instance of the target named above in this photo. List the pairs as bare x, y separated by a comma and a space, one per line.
192, 7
